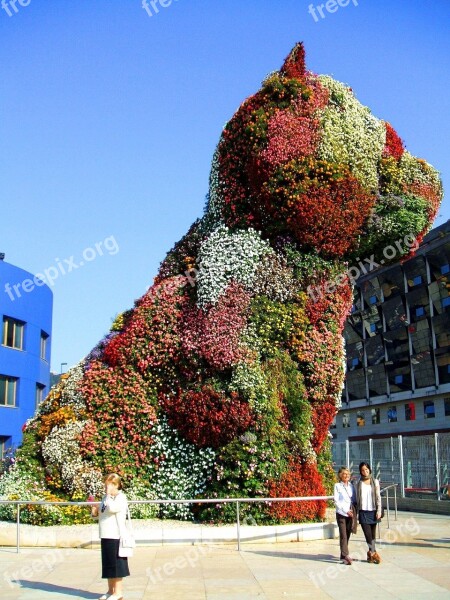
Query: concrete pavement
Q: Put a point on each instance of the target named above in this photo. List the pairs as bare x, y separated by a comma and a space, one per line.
415, 564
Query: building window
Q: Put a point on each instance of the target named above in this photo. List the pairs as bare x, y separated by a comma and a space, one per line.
8, 390
447, 407
398, 379
360, 419
445, 269
13, 333
5, 453
44, 345
410, 411
417, 280
375, 413
40, 389
428, 409
420, 311
346, 420
392, 414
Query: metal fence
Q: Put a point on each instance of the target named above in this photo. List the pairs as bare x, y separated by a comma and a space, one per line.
420, 464
237, 501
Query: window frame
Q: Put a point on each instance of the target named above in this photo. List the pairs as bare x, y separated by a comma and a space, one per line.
8, 380
16, 324
43, 348
427, 403
39, 395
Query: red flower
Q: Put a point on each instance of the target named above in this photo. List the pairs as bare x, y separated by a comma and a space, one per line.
300, 480
207, 418
394, 145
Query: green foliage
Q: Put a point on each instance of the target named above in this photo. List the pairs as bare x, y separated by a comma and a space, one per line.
394, 218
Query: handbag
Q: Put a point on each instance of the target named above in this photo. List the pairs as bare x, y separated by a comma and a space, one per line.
354, 518
127, 540
382, 514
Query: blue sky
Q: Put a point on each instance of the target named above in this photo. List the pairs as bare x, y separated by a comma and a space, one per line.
109, 118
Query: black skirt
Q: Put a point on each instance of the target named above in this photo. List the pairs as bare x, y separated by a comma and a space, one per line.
367, 517
113, 566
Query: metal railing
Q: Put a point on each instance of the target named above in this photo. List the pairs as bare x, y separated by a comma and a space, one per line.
386, 489
237, 501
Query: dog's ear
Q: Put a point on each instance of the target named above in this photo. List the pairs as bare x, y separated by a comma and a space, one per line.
294, 66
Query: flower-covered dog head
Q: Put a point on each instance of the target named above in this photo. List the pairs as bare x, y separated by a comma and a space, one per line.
303, 157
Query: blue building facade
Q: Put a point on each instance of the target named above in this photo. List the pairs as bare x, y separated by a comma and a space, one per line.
26, 305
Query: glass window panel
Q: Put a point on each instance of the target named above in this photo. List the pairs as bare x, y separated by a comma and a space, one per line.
443, 364
371, 291
415, 271
360, 419
423, 368
428, 409
397, 345
392, 282
447, 407
8, 387
355, 355
421, 336
394, 312
438, 259
353, 330
375, 414
39, 393
410, 411
376, 378
441, 324
395, 385
346, 420
356, 385
439, 293
418, 302
375, 350
372, 321
44, 343
13, 333
392, 414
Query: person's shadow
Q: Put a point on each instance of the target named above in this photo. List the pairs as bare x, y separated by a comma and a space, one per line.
57, 589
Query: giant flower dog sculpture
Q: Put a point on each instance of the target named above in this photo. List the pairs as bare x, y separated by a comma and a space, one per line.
224, 378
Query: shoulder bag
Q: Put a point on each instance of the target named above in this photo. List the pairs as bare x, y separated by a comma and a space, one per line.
127, 539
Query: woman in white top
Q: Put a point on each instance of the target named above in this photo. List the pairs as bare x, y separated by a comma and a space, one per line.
112, 514
344, 499
369, 509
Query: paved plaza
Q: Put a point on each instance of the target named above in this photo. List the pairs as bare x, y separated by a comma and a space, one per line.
415, 555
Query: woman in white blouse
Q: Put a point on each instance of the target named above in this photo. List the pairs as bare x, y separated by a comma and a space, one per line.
369, 509
111, 515
345, 500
